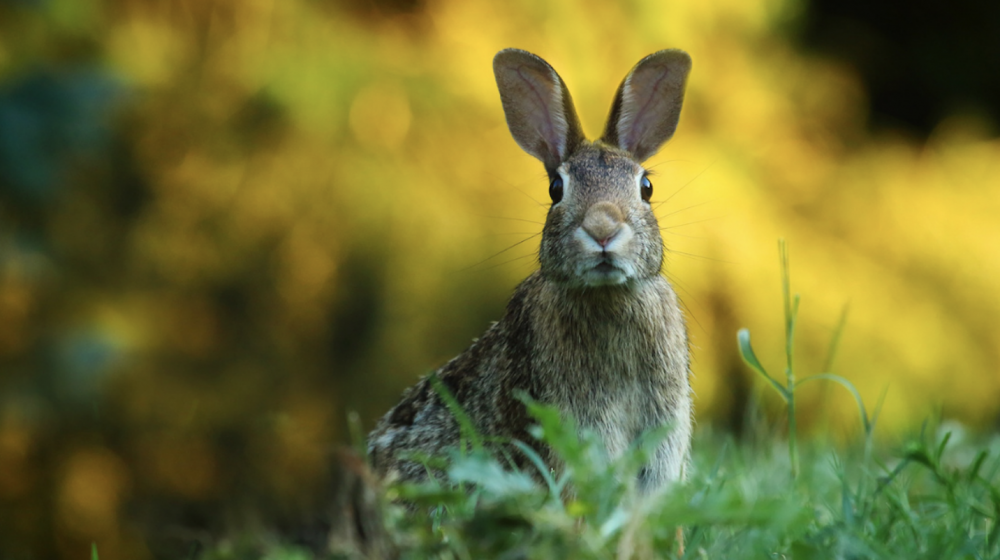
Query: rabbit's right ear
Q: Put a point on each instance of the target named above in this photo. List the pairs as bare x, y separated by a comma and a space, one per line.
538, 107
647, 105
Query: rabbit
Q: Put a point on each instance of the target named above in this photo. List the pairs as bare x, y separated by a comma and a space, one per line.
597, 331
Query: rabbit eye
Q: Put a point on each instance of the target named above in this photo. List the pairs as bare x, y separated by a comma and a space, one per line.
556, 189
646, 189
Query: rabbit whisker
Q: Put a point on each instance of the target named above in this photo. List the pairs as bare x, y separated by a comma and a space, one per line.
533, 199
703, 257
685, 185
491, 267
508, 233
652, 168
690, 223
511, 219
525, 240
684, 235
675, 282
678, 211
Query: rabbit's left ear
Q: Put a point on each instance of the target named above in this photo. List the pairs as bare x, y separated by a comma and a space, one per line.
647, 105
538, 107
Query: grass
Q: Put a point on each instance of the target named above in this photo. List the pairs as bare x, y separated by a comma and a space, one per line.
935, 496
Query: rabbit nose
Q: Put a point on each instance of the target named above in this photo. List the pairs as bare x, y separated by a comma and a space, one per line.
602, 222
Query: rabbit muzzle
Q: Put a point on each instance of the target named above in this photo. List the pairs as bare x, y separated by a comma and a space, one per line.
604, 237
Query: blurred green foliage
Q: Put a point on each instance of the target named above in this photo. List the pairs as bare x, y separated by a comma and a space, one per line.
225, 223
935, 498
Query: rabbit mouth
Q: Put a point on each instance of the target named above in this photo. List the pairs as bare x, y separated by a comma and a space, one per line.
605, 267
604, 273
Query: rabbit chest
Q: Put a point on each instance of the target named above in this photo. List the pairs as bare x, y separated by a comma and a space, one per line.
616, 360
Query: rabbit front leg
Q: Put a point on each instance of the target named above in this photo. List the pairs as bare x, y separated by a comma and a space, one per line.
668, 463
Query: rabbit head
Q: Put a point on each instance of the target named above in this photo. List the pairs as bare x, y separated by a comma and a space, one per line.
600, 229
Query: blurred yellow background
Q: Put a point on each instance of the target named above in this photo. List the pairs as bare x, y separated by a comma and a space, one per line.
225, 224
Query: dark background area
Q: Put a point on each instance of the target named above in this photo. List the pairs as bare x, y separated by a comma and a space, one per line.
919, 61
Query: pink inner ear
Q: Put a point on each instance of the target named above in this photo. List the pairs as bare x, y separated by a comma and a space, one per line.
634, 123
547, 124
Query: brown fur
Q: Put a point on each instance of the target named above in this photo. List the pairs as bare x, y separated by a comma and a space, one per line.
597, 331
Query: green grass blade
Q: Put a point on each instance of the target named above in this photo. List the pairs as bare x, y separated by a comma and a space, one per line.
878, 406
93, 551
977, 465
539, 464
791, 306
786, 285
747, 353
469, 432
866, 423
792, 319
941, 446
846, 503
885, 481
838, 331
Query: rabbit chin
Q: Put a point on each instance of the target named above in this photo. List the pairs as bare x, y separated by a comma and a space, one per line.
605, 273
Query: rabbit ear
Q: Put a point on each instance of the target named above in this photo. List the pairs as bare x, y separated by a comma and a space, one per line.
647, 105
538, 107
